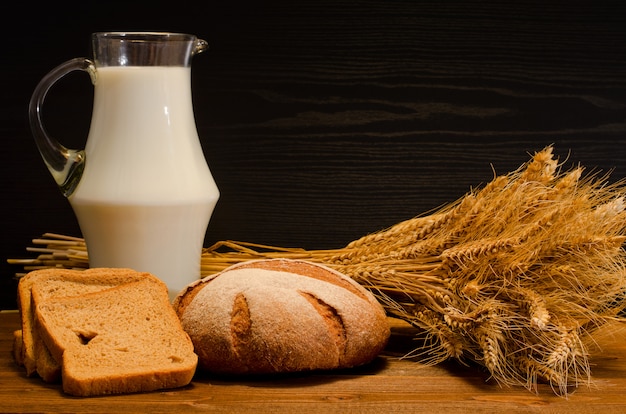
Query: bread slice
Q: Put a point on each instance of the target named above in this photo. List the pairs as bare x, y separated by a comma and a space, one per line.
57, 283
119, 340
48, 368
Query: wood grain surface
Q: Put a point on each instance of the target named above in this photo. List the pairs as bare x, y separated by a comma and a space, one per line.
387, 385
326, 120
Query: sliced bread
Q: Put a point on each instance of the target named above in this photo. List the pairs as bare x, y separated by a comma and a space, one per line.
119, 340
58, 283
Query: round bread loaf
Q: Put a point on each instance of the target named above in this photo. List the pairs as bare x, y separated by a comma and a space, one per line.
278, 316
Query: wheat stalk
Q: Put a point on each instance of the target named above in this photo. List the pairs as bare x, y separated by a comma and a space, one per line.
516, 276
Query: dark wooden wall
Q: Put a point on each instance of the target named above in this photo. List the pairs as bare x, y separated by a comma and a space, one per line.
325, 120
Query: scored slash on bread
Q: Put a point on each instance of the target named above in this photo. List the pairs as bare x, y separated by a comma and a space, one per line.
278, 315
115, 333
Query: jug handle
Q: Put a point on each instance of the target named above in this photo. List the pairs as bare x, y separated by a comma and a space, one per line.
65, 165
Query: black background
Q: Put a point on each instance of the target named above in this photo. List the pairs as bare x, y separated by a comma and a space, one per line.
326, 120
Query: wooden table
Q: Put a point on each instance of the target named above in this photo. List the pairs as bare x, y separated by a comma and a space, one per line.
387, 385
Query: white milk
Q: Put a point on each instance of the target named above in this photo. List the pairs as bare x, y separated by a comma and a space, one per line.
146, 195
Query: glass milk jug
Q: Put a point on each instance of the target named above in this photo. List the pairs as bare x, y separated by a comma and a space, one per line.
141, 189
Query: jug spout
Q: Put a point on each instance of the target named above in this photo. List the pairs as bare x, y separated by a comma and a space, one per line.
200, 46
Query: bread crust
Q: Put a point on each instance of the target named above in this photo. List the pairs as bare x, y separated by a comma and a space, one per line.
281, 315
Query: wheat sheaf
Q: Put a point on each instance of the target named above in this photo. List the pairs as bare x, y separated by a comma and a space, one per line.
516, 276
